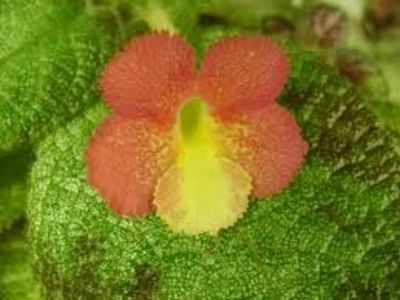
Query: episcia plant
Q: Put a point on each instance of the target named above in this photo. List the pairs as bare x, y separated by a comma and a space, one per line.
150, 199
199, 145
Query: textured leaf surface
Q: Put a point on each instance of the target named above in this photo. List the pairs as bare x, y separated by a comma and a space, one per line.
16, 280
48, 67
334, 234
51, 52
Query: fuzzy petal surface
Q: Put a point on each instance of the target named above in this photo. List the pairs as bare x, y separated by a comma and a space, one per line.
268, 144
124, 158
150, 77
202, 195
241, 73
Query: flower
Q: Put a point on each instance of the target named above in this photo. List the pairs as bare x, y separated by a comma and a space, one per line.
194, 145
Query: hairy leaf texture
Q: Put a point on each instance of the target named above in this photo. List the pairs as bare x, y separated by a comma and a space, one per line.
333, 234
51, 52
50, 55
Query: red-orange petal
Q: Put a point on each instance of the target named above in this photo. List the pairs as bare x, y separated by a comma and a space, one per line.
240, 73
268, 144
150, 77
125, 158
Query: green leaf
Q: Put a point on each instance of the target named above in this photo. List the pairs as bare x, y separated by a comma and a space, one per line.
51, 53
13, 187
16, 280
334, 234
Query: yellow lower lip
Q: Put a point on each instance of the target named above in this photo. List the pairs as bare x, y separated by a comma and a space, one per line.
202, 192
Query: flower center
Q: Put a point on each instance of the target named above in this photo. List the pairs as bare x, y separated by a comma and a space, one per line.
197, 155
202, 192
196, 126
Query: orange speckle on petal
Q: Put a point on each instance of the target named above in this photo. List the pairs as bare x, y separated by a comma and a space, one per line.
268, 144
242, 73
125, 158
150, 77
